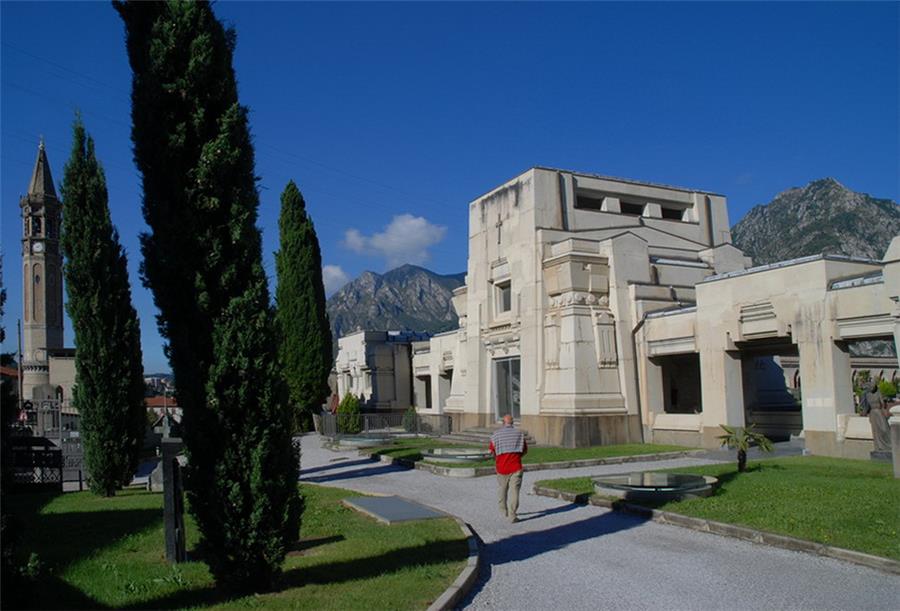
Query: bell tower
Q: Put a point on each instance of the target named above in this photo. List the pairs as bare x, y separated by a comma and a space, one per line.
42, 296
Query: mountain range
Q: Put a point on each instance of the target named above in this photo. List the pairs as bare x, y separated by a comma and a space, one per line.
406, 298
822, 217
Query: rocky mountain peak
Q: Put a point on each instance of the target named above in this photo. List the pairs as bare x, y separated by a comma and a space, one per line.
409, 298
822, 217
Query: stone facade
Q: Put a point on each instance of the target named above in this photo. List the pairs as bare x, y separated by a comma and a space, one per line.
561, 266
599, 310
806, 310
375, 366
42, 297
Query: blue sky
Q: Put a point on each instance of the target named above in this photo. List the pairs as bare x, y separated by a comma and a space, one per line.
391, 117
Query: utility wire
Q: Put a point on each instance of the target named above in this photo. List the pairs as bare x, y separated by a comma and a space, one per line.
416, 197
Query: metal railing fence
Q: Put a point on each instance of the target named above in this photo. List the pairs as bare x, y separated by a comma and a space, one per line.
390, 423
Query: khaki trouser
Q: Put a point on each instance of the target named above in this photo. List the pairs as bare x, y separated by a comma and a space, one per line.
508, 493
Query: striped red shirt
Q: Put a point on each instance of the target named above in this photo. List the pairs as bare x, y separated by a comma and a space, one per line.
509, 462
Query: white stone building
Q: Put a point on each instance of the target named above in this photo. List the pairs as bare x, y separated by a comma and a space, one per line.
375, 366
807, 309
599, 310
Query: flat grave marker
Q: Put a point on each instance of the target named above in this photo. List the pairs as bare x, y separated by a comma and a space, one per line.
392, 509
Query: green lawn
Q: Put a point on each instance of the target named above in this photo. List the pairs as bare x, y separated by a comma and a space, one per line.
411, 449
102, 552
853, 504
543, 454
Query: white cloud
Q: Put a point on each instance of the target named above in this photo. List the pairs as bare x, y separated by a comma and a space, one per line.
334, 278
406, 239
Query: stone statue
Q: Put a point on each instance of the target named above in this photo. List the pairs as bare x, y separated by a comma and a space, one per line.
874, 408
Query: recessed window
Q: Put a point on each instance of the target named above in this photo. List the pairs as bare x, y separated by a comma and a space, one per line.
631, 208
503, 296
673, 214
588, 203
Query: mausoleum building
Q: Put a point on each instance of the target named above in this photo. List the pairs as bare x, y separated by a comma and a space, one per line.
600, 310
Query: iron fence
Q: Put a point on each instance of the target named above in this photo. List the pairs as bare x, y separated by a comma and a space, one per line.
73, 468
390, 423
39, 468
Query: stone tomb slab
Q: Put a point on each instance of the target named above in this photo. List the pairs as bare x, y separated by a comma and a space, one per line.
392, 509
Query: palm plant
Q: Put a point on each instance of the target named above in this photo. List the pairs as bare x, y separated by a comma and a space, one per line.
741, 439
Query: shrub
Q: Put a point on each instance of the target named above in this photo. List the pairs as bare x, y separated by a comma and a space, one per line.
887, 389
861, 382
410, 420
348, 415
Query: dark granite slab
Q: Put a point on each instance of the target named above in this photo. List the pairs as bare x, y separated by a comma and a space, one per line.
392, 509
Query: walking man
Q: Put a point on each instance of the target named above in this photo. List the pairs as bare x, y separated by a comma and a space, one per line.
508, 446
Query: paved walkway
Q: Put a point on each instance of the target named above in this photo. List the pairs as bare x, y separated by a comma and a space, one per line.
565, 556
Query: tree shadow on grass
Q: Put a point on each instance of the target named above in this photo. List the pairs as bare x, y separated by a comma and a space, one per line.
330, 573
51, 592
61, 539
730, 476
304, 545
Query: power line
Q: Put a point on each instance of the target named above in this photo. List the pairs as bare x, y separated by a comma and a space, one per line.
62, 67
32, 139
418, 198
345, 200
67, 103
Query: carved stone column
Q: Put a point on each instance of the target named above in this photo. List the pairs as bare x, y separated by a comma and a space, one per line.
580, 353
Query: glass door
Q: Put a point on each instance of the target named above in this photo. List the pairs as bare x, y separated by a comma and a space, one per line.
507, 386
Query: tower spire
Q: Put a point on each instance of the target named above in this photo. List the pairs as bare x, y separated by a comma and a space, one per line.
41, 180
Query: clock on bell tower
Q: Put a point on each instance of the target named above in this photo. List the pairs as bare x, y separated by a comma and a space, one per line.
42, 296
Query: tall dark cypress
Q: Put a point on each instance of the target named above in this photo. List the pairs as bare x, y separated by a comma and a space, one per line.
109, 385
306, 335
203, 261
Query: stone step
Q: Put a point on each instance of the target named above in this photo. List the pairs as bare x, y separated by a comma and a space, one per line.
481, 436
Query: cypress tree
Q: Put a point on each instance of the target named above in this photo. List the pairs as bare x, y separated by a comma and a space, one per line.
109, 385
203, 262
306, 334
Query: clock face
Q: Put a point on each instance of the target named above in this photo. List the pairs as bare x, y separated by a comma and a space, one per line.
38, 247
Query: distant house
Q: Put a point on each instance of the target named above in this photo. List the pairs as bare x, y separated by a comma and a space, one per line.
166, 419
163, 404
9, 376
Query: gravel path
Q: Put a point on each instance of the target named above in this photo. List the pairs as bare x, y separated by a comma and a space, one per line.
565, 556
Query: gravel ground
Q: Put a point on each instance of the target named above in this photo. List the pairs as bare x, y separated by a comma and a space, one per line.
569, 556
